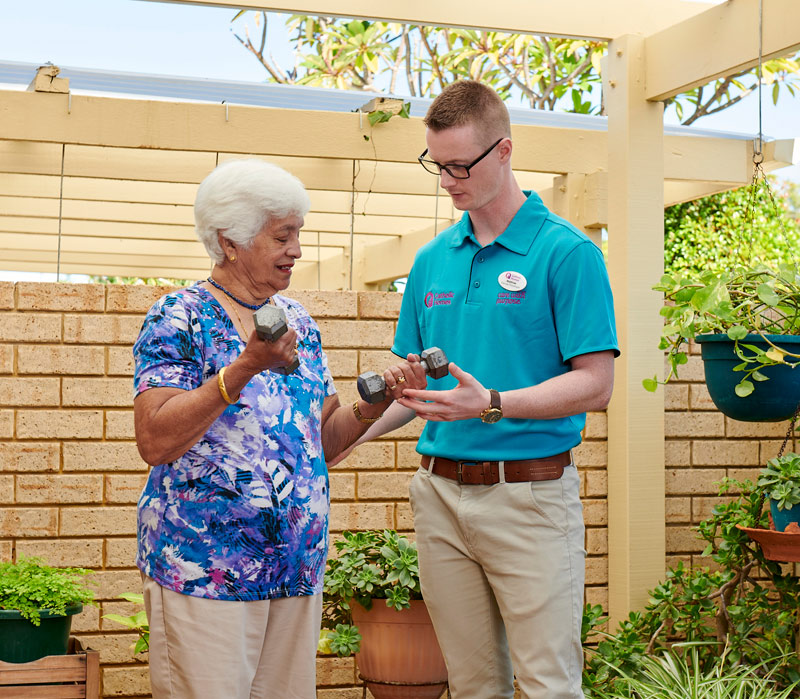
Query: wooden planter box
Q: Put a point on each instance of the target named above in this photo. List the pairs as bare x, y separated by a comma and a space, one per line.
72, 676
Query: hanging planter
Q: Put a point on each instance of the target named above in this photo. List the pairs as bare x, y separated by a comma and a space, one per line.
771, 399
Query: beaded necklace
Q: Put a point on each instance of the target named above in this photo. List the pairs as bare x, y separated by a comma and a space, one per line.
251, 306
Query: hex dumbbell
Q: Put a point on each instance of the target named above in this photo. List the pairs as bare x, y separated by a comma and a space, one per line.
270, 323
372, 387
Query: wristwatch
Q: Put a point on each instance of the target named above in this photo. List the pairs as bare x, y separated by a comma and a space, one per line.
494, 412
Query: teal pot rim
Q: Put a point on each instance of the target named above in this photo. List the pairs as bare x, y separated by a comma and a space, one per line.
43, 613
751, 337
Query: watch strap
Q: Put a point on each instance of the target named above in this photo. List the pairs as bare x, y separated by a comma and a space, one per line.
494, 398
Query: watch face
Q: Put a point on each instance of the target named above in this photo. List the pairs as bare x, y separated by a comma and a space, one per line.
491, 415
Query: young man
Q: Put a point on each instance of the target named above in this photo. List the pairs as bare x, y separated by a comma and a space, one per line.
520, 299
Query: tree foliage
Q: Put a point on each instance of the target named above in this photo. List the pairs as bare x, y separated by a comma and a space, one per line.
539, 71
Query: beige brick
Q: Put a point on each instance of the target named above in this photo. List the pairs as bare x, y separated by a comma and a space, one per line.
6, 359
120, 553
343, 363
90, 392
591, 454
596, 570
120, 361
692, 481
101, 329
595, 512
757, 430
692, 371
28, 521
29, 456
114, 648
596, 426
371, 455
676, 396
59, 424
326, 304
744, 474
133, 298
699, 398
29, 392
678, 510
404, 517
358, 516
124, 489
702, 507
47, 359
596, 483
383, 486
683, 540
677, 453
83, 553
57, 489
119, 424
694, 425
379, 304
343, 486
7, 295
335, 671
356, 333
98, 521
407, 455
5, 551
376, 360
769, 450
411, 430
102, 456
596, 541
30, 327
6, 490
126, 681
6, 424
110, 584
349, 693
719, 452
37, 296
673, 561
597, 595
87, 621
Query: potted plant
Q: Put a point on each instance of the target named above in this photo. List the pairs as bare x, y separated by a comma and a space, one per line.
747, 321
373, 607
781, 483
37, 603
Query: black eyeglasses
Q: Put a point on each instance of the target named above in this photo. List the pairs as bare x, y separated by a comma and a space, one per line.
459, 172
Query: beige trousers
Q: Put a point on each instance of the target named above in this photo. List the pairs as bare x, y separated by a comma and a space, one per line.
213, 649
502, 573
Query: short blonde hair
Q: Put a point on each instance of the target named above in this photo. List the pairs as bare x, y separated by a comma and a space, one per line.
470, 102
241, 197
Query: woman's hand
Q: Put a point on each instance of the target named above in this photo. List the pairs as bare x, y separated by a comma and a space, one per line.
260, 355
408, 374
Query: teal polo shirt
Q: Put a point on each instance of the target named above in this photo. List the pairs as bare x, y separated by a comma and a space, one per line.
512, 314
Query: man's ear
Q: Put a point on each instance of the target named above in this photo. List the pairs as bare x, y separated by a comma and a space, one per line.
504, 150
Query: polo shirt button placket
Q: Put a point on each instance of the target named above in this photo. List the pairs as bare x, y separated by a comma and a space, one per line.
476, 284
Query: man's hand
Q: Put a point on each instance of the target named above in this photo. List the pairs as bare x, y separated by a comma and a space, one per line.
463, 402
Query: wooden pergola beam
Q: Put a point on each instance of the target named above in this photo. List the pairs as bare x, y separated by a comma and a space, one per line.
577, 18
720, 41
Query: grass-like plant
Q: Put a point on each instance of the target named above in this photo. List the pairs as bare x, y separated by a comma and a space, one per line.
30, 586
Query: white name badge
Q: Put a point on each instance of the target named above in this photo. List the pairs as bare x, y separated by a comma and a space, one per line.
512, 281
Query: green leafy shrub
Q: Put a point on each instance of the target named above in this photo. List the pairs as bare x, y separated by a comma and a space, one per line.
29, 586
137, 621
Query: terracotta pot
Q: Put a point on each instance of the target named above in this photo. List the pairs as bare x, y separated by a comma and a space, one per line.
399, 647
776, 546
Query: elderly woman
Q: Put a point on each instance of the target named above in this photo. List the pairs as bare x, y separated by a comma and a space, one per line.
233, 520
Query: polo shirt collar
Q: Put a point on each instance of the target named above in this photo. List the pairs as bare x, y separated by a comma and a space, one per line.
521, 232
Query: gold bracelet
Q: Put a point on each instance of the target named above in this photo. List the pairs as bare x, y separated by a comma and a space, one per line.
361, 418
221, 386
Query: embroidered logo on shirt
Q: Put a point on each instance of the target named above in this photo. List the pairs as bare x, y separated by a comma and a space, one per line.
510, 298
442, 298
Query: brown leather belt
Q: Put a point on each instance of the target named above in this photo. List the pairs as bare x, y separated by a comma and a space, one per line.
488, 472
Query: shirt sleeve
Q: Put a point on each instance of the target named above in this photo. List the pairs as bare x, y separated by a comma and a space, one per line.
408, 336
167, 351
583, 306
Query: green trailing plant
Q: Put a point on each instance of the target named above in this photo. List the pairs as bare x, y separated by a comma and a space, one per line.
746, 300
369, 566
30, 586
743, 610
781, 480
137, 622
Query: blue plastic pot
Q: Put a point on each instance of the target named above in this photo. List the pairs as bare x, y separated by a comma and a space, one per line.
782, 518
771, 401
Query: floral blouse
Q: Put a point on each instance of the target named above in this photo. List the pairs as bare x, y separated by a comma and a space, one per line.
243, 515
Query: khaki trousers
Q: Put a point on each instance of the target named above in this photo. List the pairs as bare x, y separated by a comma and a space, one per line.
502, 571
214, 649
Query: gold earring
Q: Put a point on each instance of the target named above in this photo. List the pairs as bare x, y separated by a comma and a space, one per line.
232, 258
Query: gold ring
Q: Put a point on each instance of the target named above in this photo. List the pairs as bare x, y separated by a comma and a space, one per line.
402, 379
391, 388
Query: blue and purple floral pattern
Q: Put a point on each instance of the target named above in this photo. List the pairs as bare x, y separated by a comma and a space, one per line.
243, 515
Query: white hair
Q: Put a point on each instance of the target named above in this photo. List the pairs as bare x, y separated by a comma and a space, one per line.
240, 197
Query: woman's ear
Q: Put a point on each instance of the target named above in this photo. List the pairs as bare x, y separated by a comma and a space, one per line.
228, 247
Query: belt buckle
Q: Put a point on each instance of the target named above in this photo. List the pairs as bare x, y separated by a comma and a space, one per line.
460, 470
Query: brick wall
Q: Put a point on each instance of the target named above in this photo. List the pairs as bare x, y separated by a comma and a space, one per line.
70, 473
